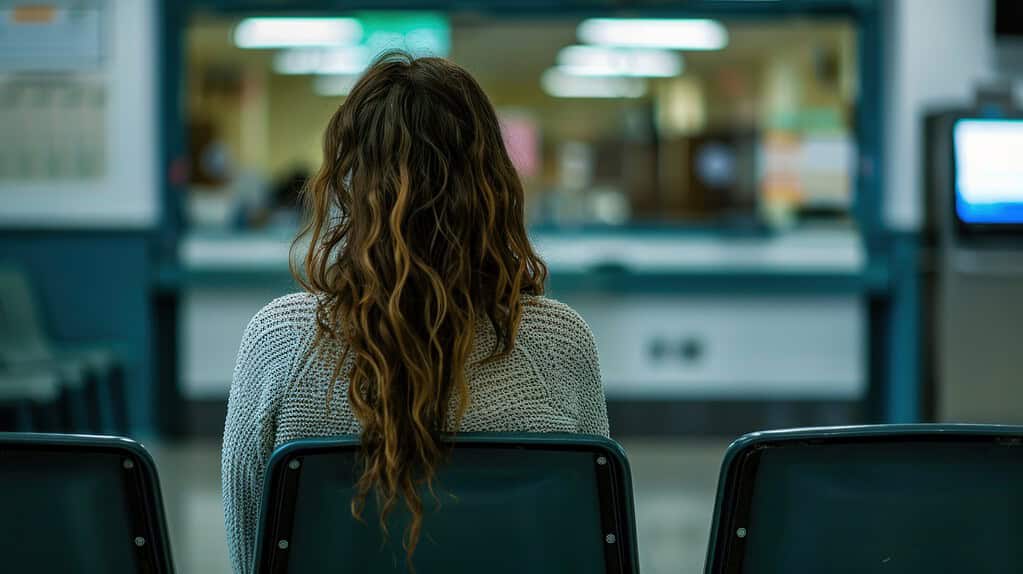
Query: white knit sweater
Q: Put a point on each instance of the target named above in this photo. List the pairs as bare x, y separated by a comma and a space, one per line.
549, 383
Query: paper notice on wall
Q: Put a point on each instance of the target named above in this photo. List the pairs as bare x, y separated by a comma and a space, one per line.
826, 171
56, 36
52, 129
809, 171
521, 135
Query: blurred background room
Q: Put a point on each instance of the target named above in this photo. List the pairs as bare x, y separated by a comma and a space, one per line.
772, 213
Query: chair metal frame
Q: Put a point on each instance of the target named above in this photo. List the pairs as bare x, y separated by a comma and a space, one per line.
141, 487
735, 467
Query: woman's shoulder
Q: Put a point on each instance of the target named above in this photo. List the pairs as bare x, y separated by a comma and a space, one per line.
284, 320
553, 319
287, 308
542, 306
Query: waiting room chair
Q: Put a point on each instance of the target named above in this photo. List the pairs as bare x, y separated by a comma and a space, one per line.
911, 499
31, 402
505, 503
84, 504
92, 380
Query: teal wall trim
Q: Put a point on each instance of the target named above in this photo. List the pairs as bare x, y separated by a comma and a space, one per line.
902, 396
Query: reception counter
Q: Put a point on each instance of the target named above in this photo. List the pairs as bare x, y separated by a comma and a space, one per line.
675, 315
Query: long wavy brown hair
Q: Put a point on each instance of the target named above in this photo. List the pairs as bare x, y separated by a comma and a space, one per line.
415, 233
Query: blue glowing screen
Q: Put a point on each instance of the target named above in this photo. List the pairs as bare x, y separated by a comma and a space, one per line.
989, 171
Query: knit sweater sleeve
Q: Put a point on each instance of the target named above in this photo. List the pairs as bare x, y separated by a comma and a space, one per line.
565, 352
592, 400
260, 380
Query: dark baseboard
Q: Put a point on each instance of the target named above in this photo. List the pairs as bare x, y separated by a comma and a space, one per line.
674, 418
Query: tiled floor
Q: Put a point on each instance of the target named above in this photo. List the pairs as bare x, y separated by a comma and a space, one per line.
674, 485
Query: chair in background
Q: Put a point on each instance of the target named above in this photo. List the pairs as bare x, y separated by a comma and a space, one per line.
504, 503
85, 504
912, 499
31, 402
92, 392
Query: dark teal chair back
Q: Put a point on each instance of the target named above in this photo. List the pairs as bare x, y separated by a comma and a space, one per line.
912, 499
84, 504
504, 503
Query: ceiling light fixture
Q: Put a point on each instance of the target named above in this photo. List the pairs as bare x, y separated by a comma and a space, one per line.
608, 61
561, 85
678, 34
293, 32
353, 60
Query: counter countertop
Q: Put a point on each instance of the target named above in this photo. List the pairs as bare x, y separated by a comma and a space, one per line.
810, 259
812, 250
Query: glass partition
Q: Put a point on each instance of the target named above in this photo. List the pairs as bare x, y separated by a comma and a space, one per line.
610, 121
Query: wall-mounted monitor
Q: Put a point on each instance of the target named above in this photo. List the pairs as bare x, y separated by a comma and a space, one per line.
988, 175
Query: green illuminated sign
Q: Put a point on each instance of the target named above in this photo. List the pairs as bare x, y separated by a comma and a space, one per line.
420, 33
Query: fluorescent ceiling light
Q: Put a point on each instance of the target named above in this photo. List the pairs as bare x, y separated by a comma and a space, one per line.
654, 33
561, 85
291, 32
334, 85
605, 61
353, 60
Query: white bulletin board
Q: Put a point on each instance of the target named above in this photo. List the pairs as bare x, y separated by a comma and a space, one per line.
78, 114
